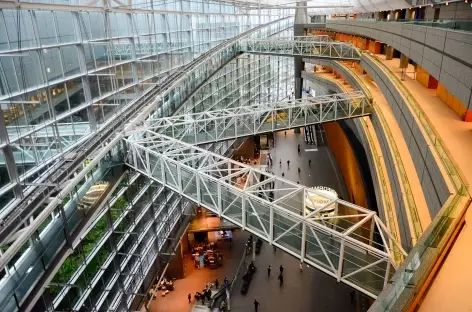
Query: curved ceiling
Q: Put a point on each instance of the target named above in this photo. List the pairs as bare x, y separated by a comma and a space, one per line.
359, 6
326, 7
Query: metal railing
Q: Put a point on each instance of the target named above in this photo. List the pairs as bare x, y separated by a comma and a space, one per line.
413, 273
434, 138
211, 126
408, 193
302, 46
342, 245
448, 24
380, 166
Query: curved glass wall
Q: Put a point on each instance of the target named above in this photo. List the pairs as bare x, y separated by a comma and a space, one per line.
117, 57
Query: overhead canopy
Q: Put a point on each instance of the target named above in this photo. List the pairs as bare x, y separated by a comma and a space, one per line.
327, 7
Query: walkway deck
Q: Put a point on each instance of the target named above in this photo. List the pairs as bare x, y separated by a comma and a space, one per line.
381, 103
195, 280
310, 290
451, 289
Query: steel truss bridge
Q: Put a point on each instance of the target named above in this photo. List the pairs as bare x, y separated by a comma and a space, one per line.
352, 245
304, 46
225, 124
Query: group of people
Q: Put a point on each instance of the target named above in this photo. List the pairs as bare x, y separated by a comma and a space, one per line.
280, 278
281, 273
205, 295
288, 161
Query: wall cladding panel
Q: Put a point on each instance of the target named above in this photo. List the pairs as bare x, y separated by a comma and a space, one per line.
433, 183
427, 46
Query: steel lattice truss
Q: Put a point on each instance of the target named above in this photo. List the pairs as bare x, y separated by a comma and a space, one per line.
352, 245
302, 46
224, 124
311, 38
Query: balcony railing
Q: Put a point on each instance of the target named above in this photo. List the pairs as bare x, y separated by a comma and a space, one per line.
412, 275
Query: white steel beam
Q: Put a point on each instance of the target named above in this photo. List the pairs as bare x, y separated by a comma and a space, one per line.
234, 195
305, 46
230, 123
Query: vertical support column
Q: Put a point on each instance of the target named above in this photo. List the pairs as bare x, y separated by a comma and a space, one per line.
9, 159
220, 204
303, 246
387, 273
372, 230
403, 61
403, 65
78, 22
243, 212
301, 18
341, 260
271, 225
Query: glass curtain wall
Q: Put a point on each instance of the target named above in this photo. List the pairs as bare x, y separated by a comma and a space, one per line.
87, 66
64, 75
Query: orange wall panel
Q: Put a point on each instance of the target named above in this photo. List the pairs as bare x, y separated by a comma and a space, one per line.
468, 116
433, 83
461, 109
347, 162
442, 93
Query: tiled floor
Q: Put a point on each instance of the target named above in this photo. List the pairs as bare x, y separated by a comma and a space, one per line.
195, 280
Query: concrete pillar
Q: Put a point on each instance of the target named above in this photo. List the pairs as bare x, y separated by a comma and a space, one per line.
301, 18
403, 61
389, 52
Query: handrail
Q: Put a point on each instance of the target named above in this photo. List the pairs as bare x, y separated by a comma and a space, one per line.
415, 272
447, 24
401, 168
436, 141
383, 181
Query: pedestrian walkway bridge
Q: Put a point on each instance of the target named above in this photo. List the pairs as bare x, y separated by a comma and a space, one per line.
306, 46
230, 123
351, 244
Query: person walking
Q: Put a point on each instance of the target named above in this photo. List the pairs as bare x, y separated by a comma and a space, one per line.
352, 295
298, 148
217, 283
301, 267
268, 270
281, 279
283, 174
309, 162
280, 163
274, 248
288, 164
281, 269
189, 298
256, 305
285, 133
299, 171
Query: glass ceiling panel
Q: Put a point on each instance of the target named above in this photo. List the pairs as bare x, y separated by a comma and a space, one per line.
326, 7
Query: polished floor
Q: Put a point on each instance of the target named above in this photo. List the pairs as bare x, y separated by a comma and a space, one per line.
196, 279
310, 290
323, 170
